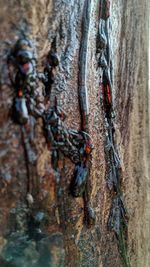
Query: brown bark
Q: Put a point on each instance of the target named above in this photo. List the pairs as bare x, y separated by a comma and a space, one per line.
65, 239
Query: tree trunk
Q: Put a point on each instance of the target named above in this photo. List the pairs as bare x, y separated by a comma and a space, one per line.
42, 223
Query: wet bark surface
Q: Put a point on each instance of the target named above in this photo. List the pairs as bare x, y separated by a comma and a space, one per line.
31, 188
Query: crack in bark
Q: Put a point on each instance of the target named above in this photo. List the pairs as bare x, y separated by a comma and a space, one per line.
82, 76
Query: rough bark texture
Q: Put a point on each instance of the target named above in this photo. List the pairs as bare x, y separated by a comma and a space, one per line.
66, 239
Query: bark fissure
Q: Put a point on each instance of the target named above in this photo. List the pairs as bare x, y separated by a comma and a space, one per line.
82, 76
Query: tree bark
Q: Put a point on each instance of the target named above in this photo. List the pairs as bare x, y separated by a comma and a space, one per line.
35, 194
